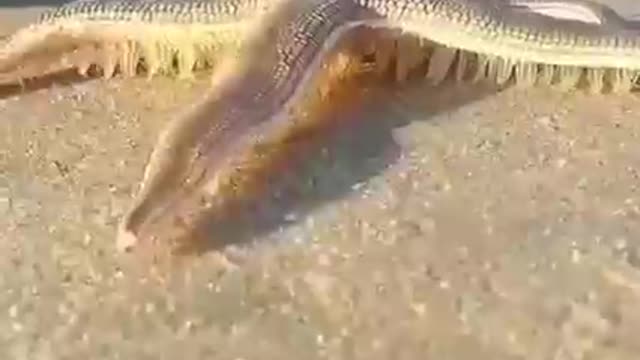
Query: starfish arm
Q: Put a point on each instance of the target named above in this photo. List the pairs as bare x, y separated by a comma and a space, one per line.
203, 155
578, 10
158, 11
118, 35
499, 29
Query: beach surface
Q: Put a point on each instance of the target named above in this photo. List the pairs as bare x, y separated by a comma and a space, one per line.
447, 223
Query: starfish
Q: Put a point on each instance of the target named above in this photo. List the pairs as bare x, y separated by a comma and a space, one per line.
277, 58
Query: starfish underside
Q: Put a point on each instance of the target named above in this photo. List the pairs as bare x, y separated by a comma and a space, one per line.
276, 63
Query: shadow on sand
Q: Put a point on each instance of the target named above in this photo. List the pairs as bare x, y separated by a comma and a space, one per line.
324, 164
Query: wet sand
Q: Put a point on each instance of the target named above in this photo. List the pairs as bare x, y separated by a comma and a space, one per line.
450, 223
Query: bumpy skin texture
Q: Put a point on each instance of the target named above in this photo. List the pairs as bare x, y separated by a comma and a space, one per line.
203, 156
119, 33
157, 11
580, 10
